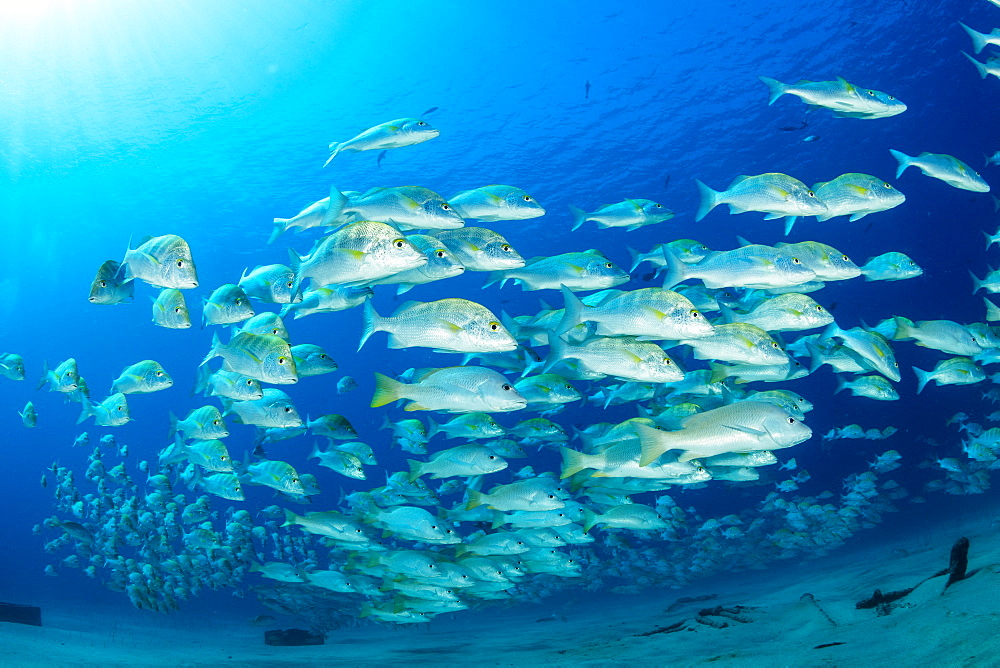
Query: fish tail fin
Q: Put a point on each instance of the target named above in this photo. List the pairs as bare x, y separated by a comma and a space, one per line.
280, 226
651, 442
774, 87
214, 350
904, 329
719, 372
291, 519
590, 518
433, 429
841, 384
674, 272
557, 351
996, 203
86, 409
902, 159
815, 357
636, 256
475, 500
572, 311
923, 377
415, 469
386, 390
338, 201
990, 239
314, 453
728, 315
709, 200
173, 425
573, 462
978, 38
977, 284
983, 72
579, 215
45, 375
372, 323
201, 380
992, 311
334, 150
295, 264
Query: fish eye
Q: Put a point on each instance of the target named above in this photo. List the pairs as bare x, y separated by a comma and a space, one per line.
281, 360
495, 326
667, 360
506, 387
796, 260
160, 373
421, 123
791, 420
324, 356
695, 313
295, 480
891, 97
659, 206
819, 308
288, 409
774, 344
492, 456
180, 263
216, 422
505, 248
103, 284
552, 496
845, 258
399, 243
249, 382
177, 309
887, 186
608, 265
568, 386
811, 193
446, 207
872, 93
896, 364
439, 253
289, 284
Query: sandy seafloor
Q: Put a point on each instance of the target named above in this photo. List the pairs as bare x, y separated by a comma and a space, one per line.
959, 626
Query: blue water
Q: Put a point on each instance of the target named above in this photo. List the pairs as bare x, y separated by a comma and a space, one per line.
207, 120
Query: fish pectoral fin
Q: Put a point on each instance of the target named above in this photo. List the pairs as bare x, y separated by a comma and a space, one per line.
745, 429
780, 192
449, 325
577, 269
414, 406
655, 312
857, 190
689, 455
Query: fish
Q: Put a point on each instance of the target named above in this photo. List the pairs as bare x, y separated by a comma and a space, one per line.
224, 485
628, 516
405, 207
738, 342
344, 463
211, 455
777, 195
346, 384
321, 213
312, 360
163, 262
825, 261
985, 69
357, 253
856, 195
891, 266
745, 426
527, 495
782, 313
872, 387
587, 270
392, 134
952, 371
332, 426
491, 204
449, 325
944, 167
631, 214
811, 138
226, 305
111, 412
274, 409
277, 475
871, 349
142, 377
751, 266
620, 357
203, 423
944, 335
451, 390
464, 460
845, 100
271, 283
586, 90
266, 357
327, 300
650, 313
12, 366
480, 249
229, 384
546, 390
64, 378
170, 309
981, 40
441, 264
29, 418
108, 287
687, 251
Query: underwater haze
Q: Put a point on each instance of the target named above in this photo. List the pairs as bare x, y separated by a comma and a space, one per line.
620, 130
